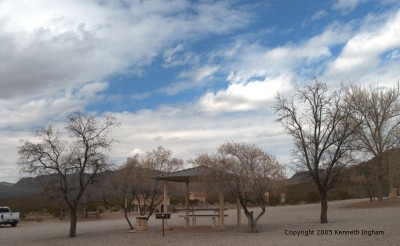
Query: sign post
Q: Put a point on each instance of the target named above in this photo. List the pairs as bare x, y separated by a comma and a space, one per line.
163, 216
283, 196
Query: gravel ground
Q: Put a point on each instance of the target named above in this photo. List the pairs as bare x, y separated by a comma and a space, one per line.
287, 225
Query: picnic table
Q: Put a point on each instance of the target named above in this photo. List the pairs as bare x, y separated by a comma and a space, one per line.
95, 212
201, 213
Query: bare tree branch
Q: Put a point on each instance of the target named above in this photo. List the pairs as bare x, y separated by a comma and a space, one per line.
321, 127
246, 171
378, 111
69, 167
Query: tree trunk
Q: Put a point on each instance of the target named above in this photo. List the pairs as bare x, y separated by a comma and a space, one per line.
252, 224
369, 192
324, 207
127, 219
379, 187
72, 228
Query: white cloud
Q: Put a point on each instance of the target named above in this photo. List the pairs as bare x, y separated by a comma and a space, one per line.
259, 73
177, 56
200, 73
188, 131
246, 96
360, 59
316, 16
92, 89
58, 51
53, 53
141, 96
393, 55
21, 113
346, 6
319, 14
305, 59
9, 143
73, 42
195, 78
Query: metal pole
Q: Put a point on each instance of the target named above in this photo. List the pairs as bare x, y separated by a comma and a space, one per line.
238, 212
187, 223
162, 227
221, 209
165, 198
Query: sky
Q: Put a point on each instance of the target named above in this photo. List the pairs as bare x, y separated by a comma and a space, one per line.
185, 75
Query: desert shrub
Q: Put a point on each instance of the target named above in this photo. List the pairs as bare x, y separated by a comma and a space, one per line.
231, 198
55, 212
91, 206
293, 201
213, 199
194, 202
116, 208
273, 200
177, 200
22, 215
342, 195
311, 197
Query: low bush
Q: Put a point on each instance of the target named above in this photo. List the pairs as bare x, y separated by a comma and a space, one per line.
342, 195
312, 197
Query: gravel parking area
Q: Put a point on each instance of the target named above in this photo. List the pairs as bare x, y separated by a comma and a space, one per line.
284, 225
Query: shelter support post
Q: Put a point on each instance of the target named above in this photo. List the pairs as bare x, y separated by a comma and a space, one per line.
165, 200
187, 204
221, 209
238, 214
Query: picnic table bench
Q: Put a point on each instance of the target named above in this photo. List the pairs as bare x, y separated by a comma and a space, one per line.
87, 212
214, 218
191, 213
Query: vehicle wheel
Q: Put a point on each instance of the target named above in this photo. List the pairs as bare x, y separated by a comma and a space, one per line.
13, 224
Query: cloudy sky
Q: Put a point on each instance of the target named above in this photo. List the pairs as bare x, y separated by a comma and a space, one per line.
187, 75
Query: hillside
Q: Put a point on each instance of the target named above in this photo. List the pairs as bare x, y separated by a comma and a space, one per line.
24, 187
5, 189
356, 181
300, 187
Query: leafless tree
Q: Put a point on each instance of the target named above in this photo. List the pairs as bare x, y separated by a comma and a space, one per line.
321, 129
147, 191
393, 158
119, 187
362, 175
378, 111
247, 172
132, 183
128, 179
72, 163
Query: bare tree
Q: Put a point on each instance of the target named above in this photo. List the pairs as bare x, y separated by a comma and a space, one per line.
378, 111
394, 168
148, 191
119, 187
72, 163
362, 175
247, 172
133, 183
321, 129
127, 179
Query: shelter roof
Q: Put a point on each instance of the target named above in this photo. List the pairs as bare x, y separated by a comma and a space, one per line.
194, 174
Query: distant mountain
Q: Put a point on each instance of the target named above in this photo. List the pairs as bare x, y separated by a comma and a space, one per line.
300, 177
5, 188
25, 186
5, 185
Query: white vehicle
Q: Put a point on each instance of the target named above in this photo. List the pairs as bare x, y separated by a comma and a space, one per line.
7, 217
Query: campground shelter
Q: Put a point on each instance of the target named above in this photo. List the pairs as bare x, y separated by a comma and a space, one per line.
191, 175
